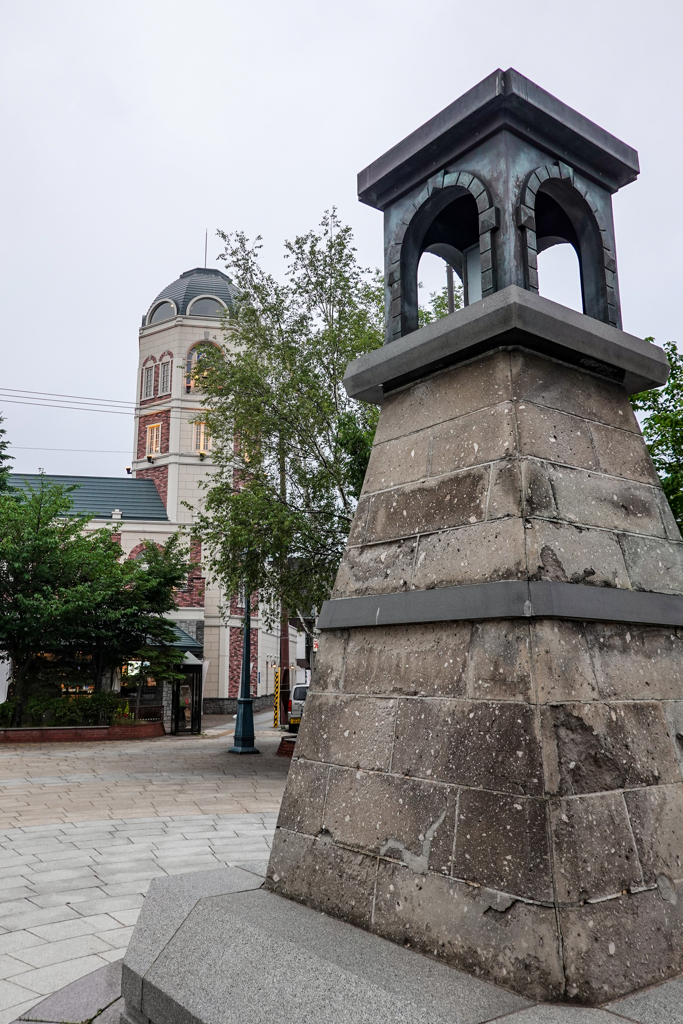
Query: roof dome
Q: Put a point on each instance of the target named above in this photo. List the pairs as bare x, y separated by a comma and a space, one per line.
202, 281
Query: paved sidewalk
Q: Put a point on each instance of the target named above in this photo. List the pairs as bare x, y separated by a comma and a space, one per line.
68, 782
85, 827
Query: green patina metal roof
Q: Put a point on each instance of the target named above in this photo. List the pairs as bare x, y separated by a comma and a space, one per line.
101, 495
185, 642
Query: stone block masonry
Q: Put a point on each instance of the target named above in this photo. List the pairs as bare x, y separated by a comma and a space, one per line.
502, 481
505, 795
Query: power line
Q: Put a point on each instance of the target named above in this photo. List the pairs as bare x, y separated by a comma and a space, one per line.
98, 451
80, 398
68, 408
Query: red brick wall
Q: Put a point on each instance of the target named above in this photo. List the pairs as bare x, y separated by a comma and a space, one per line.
193, 595
236, 608
159, 474
138, 548
164, 418
236, 661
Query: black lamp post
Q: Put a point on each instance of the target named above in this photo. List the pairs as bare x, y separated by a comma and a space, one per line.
243, 740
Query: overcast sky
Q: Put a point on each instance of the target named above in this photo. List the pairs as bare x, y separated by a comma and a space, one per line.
128, 128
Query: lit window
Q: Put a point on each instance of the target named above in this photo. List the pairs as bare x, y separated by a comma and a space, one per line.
207, 307
202, 441
164, 311
154, 439
165, 378
193, 357
148, 382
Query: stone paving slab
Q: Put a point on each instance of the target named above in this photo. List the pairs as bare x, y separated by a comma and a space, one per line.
97, 824
663, 1003
56, 933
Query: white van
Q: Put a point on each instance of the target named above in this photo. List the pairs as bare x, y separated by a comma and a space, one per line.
296, 706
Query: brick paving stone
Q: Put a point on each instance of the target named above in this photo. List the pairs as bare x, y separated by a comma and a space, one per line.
85, 827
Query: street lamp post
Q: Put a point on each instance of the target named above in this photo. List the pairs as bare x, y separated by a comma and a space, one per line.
243, 740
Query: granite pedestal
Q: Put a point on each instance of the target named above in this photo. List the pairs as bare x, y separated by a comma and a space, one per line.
214, 947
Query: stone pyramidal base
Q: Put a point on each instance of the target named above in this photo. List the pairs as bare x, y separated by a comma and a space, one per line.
503, 793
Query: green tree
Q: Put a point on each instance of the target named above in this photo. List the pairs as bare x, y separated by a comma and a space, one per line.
289, 445
663, 429
122, 606
5, 458
437, 306
66, 593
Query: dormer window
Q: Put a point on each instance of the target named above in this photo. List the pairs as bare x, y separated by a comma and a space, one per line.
207, 306
164, 311
148, 382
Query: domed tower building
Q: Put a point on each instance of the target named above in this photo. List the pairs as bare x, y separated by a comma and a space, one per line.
172, 448
171, 460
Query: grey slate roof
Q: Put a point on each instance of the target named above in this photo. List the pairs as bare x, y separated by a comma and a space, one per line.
100, 495
200, 281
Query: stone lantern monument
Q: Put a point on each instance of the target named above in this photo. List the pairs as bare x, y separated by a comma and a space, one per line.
489, 767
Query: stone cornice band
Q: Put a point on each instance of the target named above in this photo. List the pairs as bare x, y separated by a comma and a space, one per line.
509, 317
511, 599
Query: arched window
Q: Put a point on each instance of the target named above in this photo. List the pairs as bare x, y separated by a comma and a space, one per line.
165, 377
164, 311
193, 357
556, 211
207, 306
447, 226
148, 381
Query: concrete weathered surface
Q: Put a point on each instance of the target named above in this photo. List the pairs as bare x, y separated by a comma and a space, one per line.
504, 795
